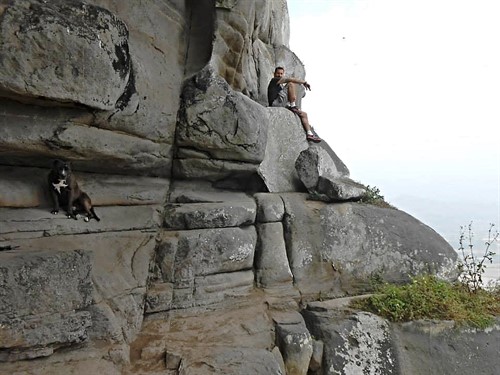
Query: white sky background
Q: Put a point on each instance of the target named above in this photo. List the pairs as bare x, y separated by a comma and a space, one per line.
407, 93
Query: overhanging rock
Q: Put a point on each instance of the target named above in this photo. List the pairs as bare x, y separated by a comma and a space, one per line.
64, 51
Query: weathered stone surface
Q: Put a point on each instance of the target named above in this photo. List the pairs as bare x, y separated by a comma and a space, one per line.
271, 262
146, 111
244, 361
216, 288
84, 361
317, 356
438, 347
202, 191
221, 122
31, 282
205, 252
43, 297
159, 297
326, 178
209, 215
295, 344
36, 222
236, 340
270, 207
117, 271
360, 343
204, 314
121, 264
212, 169
64, 51
33, 137
244, 43
366, 240
186, 257
344, 245
286, 139
27, 187
159, 57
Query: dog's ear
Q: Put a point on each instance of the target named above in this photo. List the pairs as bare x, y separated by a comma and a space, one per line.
56, 162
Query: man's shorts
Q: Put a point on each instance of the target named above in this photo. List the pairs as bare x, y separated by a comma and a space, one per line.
282, 99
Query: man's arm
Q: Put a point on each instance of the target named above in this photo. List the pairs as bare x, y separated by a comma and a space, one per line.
294, 80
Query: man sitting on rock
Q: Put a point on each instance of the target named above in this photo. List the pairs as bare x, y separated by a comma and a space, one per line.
281, 92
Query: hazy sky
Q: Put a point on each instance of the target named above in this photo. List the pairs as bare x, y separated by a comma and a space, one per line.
407, 93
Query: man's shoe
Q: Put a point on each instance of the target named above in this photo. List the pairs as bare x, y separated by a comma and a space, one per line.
313, 138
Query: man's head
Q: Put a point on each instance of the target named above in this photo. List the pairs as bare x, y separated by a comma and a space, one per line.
279, 72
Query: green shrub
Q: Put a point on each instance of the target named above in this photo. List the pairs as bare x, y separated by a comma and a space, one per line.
372, 196
427, 297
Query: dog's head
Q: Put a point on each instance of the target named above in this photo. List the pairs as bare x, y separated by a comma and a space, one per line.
62, 168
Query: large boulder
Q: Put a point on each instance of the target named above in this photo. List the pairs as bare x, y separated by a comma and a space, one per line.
66, 51
355, 342
220, 133
325, 176
346, 245
295, 342
121, 118
286, 139
221, 122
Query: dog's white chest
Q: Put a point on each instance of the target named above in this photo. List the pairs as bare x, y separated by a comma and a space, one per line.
59, 185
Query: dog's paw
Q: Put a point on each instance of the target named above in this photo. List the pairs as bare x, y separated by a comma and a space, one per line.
86, 219
54, 212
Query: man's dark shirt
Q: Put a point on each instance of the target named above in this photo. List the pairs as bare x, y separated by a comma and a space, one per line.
273, 90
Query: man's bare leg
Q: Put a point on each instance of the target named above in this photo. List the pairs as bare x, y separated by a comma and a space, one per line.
292, 93
304, 120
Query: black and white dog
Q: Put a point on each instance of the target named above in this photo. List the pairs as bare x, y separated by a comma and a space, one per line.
65, 192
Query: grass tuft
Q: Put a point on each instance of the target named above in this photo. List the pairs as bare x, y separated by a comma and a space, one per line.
427, 297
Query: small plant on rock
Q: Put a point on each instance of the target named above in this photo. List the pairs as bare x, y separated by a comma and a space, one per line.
427, 297
373, 196
471, 267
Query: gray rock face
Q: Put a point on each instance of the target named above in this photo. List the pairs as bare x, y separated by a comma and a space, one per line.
197, 261
422, 346
270, 207
220, 122
64, 51
134, 133
222, 134
35, 318
399, 245
326, 177
27, 187
208, 245
271, 262
295, 343
209, 215
286, 139
360, 343
245, 43
357, 242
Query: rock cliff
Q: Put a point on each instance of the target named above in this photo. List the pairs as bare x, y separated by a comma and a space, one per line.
227, 244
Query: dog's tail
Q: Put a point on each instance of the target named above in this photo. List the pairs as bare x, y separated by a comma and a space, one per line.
92, 211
